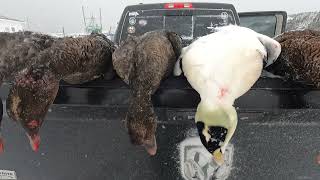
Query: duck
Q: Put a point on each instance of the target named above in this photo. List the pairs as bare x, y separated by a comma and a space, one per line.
143, 62
29, 99
75, 60
18, 51
221, 67
298, 60
89, 58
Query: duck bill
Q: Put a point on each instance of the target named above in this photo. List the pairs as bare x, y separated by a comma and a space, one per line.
1, 145
218, 157
151, 146
34, 142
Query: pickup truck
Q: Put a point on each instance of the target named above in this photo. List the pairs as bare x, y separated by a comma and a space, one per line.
84, 136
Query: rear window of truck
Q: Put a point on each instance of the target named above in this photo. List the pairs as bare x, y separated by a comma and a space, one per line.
188, 23
262, 24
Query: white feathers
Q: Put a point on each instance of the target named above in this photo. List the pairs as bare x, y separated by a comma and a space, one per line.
272, 46
230, 59
177, 71
221, 67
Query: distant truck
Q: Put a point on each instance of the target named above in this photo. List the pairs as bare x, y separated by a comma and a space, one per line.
84, 136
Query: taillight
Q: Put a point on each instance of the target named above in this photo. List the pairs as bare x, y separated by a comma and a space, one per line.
177, 5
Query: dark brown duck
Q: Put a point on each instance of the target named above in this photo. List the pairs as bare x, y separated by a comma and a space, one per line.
17, 52
76, 60
79, 60
20, 50
300, 56
29, 99
143, 62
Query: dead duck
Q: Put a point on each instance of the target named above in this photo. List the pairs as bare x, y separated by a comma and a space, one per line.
76, 60
221, 67
143, 62
299, 58
79, 60
18, 51
29, 99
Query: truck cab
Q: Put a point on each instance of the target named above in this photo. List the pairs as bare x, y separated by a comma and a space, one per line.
188, 20
84, 136
270, 23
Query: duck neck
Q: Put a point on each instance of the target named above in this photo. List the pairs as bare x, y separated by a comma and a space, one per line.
140, 104
209, 105
213, 108
214, 103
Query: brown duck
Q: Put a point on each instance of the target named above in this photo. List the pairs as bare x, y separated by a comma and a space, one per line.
17, 52
76, 60
142, 62
29, 99
300, 56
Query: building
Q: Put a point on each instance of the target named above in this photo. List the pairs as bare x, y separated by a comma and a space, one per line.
11, 25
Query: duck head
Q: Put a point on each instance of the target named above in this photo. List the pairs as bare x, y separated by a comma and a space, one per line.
142, 124
29, 99
216, 126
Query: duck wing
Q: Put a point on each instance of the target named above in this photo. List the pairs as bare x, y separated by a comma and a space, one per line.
123, 57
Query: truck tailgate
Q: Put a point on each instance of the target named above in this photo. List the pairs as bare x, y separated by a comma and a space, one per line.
277, 137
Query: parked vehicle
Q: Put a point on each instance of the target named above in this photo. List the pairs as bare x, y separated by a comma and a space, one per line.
84, 136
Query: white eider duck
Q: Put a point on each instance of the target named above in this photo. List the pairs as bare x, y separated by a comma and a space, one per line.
143, 62
221, 67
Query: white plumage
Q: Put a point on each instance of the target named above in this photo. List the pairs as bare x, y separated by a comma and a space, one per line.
221, 67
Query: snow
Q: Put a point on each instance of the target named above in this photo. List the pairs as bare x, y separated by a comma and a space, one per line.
196, 161
306, 20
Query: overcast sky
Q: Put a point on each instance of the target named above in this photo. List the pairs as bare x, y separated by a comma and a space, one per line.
52, 15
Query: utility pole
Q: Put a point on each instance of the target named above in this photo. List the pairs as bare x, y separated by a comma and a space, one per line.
100, 19
63, 32
28, 25
84, 19
110, 29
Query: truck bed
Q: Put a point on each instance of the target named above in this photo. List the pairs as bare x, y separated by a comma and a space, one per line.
84, 136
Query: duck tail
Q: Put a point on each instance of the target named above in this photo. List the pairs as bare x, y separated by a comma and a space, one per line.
272, 48
175, 42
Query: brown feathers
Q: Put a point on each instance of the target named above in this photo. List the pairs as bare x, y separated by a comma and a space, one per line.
37, 63
143, 62
20, 50
29, 100
79, 60
300, 56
